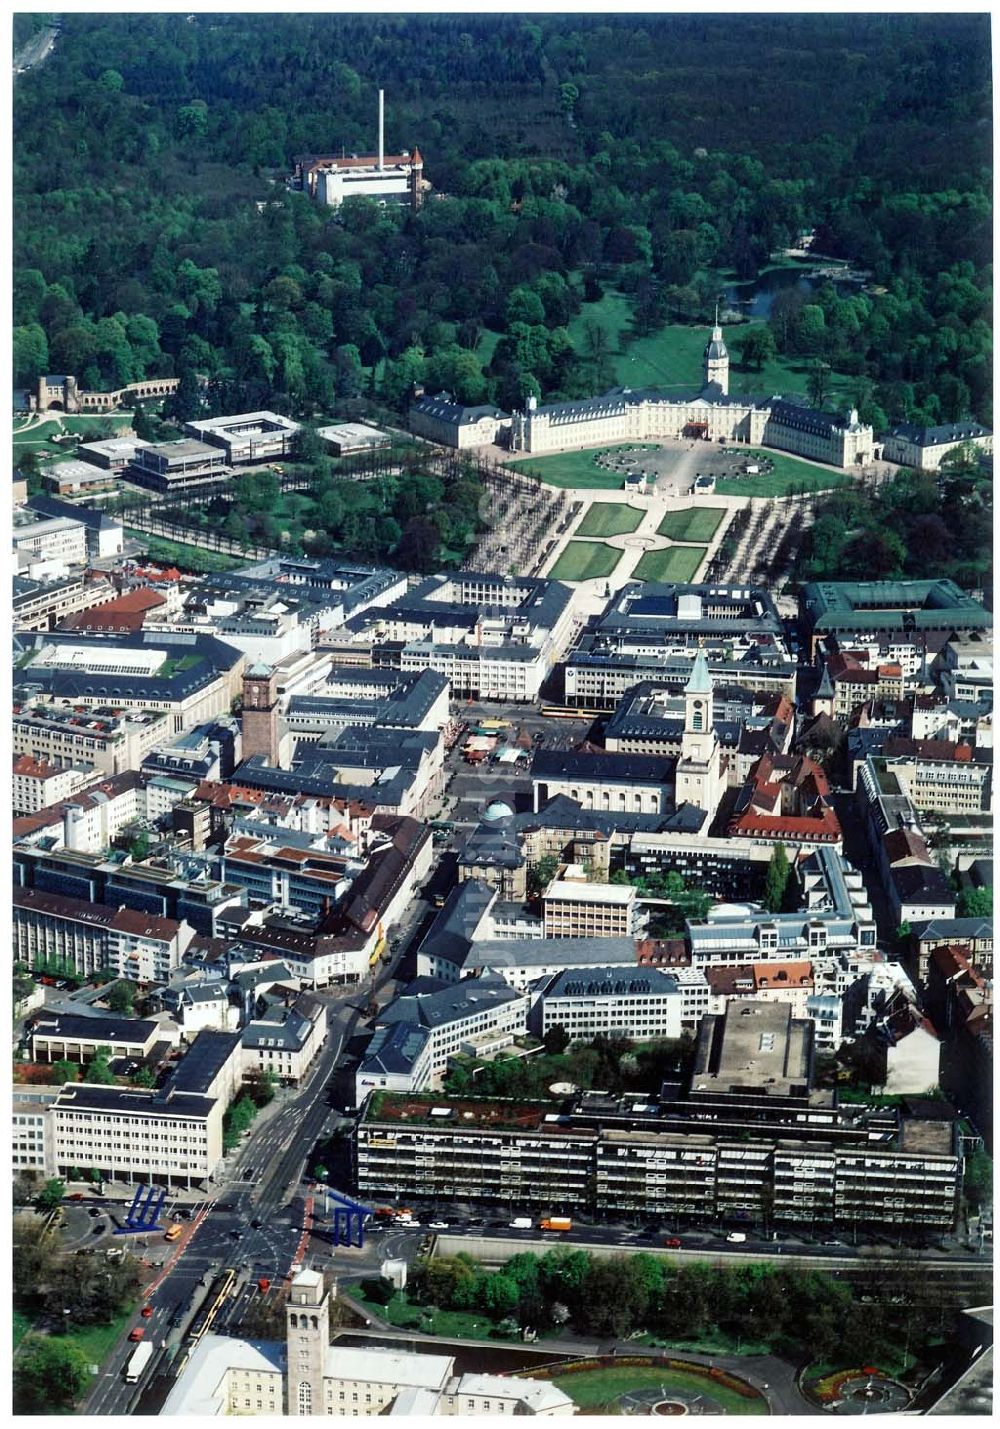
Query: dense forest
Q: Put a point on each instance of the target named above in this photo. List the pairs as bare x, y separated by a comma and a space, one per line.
918, 524
154, 233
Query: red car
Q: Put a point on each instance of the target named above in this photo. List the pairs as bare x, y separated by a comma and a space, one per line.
76, 1196
146, 1311
672, 1243
137, 1333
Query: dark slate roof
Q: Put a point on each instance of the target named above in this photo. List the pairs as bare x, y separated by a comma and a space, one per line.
91, 517
202, 1063
394, 1049
209, 658
313, 580
455, 1002
918, 881
491, 845
404, 699
957, 930
937, 436
282, 1028
450, 935
497, 953
88, 1097
611, 982
603, 768
806, 419
274, 971
562, 812
446, 409
109, 1029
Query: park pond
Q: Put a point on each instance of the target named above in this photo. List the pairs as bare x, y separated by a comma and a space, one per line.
755, 297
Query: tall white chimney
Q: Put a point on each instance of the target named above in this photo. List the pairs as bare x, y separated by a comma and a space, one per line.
381, 130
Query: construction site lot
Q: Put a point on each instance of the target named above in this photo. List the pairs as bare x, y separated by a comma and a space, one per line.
585, 561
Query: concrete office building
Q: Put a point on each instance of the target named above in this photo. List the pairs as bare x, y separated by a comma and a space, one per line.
90, 819
350, 438
103, 533
59, 1037
491, 636
50, 538
112, 455
574, 908
179, 466
748, 1138
249, 438
169, 1137
642, 1004
36, 784
33, 1146
109, 739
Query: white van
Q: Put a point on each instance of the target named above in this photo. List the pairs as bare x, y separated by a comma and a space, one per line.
521, 1223
736, 1237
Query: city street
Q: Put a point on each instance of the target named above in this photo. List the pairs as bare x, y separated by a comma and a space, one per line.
252, 1221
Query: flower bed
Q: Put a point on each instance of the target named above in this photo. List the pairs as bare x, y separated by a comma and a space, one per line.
827, 1390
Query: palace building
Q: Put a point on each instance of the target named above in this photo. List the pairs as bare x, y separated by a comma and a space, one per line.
711, 413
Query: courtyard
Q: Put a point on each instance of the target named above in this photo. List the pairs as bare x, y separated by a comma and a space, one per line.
673, 464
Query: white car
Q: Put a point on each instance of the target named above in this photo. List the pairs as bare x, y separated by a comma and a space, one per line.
438, 1225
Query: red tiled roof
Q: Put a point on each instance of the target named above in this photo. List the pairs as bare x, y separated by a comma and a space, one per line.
940, 749
903, 843
790, 974
27, 764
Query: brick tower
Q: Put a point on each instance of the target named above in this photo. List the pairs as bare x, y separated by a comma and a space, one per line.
261, 721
